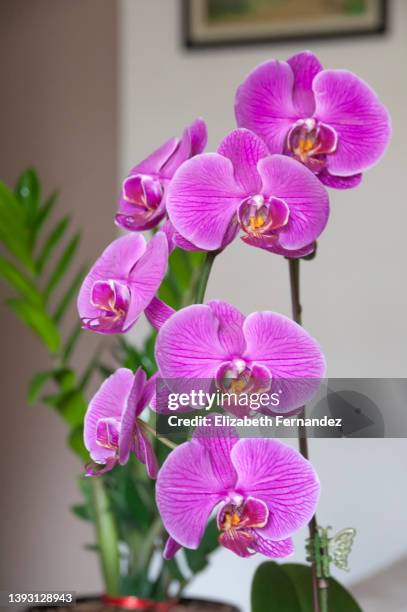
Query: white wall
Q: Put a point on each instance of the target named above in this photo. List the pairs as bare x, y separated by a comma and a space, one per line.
354, 294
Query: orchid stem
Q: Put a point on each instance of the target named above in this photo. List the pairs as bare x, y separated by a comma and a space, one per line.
319, 585
205, 272
107, 536
162, 439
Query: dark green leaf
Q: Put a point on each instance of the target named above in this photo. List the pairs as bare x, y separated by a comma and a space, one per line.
81, 511
18, 281
339, 599
51, 242
288, 587
175, 571
37, 383
65, 378
71, 342
13, 231
38, 321
75, 442
69, 295
63, 264
44, 212
28, 193
272, 590
71, 405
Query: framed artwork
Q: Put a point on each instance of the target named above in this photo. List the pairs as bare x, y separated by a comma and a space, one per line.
229, 22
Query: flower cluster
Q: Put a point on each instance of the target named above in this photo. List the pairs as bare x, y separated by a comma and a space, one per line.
300, 128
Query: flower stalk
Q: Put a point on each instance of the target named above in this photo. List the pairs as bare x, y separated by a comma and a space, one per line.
319, 585
205, 273
107, 536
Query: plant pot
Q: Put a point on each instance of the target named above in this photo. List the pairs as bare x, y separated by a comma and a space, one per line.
185, 604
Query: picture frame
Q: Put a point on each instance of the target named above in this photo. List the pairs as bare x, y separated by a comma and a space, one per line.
220, 23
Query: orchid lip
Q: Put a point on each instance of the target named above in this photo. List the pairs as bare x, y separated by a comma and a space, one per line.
309, 141
112, 298
143, 191
261, 217
107, 433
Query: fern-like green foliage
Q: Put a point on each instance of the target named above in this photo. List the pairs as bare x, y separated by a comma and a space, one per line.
40, 257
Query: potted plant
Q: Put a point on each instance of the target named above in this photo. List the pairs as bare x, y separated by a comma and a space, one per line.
155, 498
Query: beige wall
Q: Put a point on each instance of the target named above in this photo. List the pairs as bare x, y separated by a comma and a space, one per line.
57, 113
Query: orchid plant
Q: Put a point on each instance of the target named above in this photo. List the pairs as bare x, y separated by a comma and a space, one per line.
300, 129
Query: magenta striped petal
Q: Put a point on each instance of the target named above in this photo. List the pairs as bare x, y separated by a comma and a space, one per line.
109, 401
202, 199
305, 67
244, 149
351, 107
129, 414
171, 548
264, 103
187, 491
306, 198
188, 345
274, 549
280, 477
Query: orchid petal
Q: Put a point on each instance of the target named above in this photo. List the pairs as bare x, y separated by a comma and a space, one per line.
171, 548
154, 162
202, 199
230, 326
146, 276
279, 476
145, 452
218, 441
157, 312
340, 182
264, 103
351, 107
188, 345
272, 246
115, 263
238, 541
129, 414
199, 136
187, 490
244, 149
306, 198
109, 401
305, 66
274, 549
293, 357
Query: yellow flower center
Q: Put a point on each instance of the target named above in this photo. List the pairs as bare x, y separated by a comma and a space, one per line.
230, 520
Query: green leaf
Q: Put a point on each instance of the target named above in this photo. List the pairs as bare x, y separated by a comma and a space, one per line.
71, 405
13, 231
175, 571
75, 442
63, 264
28, 193
65, 378
44, 212
38, 320
339, 599
81, 511
198, 559
69, 295
71, 342
51, 242
288, 587
37, 383
18, 281
272, 590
